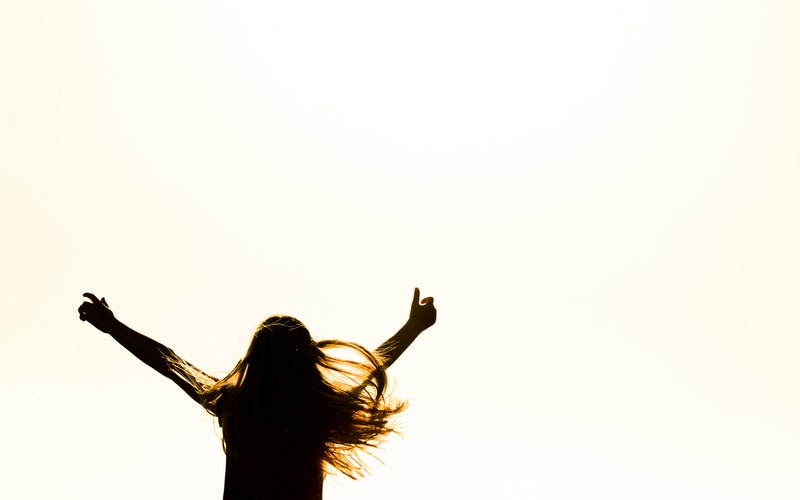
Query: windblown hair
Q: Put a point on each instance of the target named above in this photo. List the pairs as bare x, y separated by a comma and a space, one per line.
290, 398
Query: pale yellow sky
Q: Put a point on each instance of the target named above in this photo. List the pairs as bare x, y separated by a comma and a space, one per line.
601, 197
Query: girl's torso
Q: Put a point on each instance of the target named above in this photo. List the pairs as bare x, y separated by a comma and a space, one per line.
279, 478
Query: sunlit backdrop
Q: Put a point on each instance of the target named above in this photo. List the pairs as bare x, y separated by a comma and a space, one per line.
601, 196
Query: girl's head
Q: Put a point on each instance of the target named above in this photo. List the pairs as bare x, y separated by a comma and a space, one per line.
280, 335
280, 344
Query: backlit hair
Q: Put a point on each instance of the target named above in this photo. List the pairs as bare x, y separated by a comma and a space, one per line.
290, 398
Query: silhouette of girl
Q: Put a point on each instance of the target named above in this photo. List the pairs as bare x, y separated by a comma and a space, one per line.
291, 409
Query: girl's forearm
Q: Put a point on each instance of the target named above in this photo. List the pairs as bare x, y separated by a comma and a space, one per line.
397, 344
149, 351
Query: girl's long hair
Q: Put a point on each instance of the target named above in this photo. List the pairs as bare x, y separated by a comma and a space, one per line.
292, 399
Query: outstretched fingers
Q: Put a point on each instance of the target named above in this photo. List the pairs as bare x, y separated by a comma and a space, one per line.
87, 308
423, 312
97, 312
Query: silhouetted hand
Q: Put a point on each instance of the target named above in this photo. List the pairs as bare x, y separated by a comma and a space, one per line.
97, 313
423, 313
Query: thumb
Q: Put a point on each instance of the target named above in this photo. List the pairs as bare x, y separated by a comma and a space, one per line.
103, 301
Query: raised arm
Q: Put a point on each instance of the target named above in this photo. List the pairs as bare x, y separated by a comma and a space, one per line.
154, 354
421, 317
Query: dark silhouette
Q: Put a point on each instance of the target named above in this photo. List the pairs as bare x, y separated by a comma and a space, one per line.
291, 409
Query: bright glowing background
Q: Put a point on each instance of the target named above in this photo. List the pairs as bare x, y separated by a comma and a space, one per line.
603, 197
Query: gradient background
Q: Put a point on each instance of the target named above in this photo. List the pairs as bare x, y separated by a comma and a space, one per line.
602, 197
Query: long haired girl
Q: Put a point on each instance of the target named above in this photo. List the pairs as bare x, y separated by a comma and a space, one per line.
292, 409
